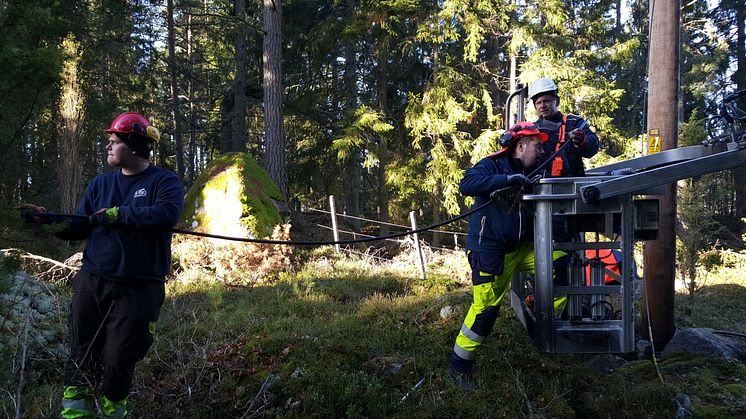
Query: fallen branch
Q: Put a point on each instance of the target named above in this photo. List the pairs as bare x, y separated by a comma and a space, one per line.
268, 382
59, 271
27, 255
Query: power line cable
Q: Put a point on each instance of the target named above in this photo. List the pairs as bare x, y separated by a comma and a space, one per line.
534, 177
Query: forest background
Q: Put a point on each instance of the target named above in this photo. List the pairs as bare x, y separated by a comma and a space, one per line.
382, 104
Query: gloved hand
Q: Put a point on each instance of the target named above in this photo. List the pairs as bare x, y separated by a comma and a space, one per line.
622, 171
104, 216
32, 214
577, 136
518, 179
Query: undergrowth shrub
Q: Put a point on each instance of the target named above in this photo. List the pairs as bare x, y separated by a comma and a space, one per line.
234, 263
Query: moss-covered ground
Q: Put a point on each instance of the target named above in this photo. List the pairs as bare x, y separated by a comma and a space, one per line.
346, 337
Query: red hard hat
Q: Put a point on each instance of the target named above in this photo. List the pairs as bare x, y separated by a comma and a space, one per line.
132, 122
521, 129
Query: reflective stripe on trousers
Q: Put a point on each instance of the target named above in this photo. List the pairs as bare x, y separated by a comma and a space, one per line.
483, 312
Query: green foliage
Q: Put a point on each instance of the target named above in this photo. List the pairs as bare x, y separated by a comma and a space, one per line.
367, 130
697, 230
440, 122
715, 305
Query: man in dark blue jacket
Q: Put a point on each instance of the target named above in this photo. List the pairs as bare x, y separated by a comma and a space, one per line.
118, 293
500, 239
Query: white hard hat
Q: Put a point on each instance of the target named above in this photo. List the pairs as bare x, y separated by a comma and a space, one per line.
544, 85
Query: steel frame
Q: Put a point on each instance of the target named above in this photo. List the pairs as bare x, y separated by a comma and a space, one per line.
609, 199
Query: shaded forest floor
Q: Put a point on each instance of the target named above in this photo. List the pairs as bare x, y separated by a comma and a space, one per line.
349, 337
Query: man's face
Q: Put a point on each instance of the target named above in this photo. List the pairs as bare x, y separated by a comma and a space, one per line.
530, 151
546, 105
117, 152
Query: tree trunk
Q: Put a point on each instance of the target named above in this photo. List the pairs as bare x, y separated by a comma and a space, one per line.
238, 139
71, 110
382, 52
191, 166
353, 166
660, 254
226, 122
274, 129
739, 78
175, 114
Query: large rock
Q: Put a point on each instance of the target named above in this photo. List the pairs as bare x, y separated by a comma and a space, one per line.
30, 315
708, 342
233, 196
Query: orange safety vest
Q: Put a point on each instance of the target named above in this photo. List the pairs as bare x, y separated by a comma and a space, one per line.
558, 161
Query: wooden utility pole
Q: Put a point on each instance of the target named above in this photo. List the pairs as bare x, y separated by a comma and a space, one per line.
663, 98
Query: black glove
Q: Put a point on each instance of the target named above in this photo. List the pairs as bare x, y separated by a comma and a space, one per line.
577, 136
518, 180
33, 214
27, 214
104, 216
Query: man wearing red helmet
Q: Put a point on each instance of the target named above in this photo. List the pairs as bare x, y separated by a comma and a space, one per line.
119, 290
500, 239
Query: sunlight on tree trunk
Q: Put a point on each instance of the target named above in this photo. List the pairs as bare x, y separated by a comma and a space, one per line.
192, 146
71, 108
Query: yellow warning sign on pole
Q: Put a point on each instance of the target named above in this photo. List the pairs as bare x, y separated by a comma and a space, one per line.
654, 141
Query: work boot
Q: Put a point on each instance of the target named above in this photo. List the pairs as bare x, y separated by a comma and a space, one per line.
117, 410
78, 402
463, 380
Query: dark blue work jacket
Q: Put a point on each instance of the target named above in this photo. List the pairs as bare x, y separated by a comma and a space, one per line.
492, 229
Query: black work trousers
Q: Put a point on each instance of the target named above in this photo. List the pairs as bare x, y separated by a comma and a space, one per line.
111, 327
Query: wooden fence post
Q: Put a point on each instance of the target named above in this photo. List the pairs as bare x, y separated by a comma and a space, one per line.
333, 214
413, 221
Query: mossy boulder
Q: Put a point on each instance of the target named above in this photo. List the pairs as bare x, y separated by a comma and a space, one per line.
233, 196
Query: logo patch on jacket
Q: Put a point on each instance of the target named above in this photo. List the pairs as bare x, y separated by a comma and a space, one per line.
140, 193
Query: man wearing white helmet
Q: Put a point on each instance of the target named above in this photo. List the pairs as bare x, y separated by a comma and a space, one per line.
561, 128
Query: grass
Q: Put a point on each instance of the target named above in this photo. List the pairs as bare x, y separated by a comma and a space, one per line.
346, 337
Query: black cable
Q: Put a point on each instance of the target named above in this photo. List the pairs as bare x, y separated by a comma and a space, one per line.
533, 176
58, 216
